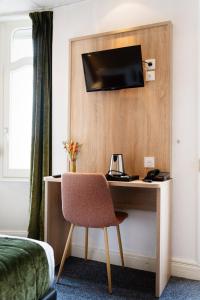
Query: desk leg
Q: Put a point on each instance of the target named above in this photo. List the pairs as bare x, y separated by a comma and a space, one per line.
163, 249
55, 227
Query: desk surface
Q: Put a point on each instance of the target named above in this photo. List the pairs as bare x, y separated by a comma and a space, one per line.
135, 183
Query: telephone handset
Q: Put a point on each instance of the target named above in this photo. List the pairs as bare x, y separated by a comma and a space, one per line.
151, 175
156, 175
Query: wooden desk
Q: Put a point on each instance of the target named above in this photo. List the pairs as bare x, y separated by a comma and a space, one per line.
56, 228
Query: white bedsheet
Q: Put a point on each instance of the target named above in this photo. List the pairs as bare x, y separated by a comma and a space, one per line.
49, 253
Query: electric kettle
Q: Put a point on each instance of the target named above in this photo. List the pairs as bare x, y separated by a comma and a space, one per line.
116, 165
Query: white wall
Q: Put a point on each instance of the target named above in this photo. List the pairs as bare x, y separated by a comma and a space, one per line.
14, 207
94, 16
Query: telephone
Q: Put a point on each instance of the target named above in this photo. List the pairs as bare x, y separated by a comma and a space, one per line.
156, 175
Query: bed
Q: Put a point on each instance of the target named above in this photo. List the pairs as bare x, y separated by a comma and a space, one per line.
26, 269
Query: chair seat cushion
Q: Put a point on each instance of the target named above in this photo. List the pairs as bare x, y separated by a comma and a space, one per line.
121, 216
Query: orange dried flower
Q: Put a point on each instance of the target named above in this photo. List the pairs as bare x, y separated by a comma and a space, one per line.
72, 148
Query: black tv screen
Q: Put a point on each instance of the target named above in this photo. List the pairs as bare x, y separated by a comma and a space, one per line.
113, 69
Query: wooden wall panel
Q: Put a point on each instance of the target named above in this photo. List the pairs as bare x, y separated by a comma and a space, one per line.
135, 121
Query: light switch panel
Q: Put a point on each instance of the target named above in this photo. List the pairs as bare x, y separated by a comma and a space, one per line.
149, 162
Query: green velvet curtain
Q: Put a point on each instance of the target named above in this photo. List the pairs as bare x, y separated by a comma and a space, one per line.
41, 151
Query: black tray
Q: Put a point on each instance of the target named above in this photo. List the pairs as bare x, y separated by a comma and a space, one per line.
122, 178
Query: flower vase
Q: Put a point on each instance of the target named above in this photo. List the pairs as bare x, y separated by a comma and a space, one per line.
72, 166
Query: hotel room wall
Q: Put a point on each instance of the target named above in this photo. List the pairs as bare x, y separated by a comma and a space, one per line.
14, 207
93, 16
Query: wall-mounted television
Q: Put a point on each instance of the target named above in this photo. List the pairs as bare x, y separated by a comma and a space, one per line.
113, 69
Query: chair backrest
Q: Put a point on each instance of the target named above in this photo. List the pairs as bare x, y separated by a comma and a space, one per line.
86, 200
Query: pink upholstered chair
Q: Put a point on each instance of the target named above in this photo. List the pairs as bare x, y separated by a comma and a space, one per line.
87, 202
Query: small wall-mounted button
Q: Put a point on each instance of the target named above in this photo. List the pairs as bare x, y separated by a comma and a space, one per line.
150, 75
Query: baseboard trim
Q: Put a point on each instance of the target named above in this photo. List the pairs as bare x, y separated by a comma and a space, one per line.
131, 260
185, 269
179, 267
21, 233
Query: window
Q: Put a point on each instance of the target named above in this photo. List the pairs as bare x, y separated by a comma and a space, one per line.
17, 100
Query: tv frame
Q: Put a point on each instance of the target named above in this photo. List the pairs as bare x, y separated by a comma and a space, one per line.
140, 84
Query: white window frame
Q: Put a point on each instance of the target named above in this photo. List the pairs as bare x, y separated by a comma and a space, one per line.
7, 30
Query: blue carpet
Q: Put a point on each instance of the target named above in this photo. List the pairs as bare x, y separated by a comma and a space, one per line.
88, 280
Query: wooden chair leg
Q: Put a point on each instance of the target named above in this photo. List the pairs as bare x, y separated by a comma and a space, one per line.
65, 252
108, 260
86, 243
120, 245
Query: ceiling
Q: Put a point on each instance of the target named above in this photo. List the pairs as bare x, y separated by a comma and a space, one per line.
9, 7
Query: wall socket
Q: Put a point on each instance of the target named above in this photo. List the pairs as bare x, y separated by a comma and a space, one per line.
152, 63
150, 69
149, 162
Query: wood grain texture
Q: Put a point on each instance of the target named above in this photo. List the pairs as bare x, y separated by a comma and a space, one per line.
55, 226
65, 253
120, 245
108, 260
163, 245
135, 121
133, 198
